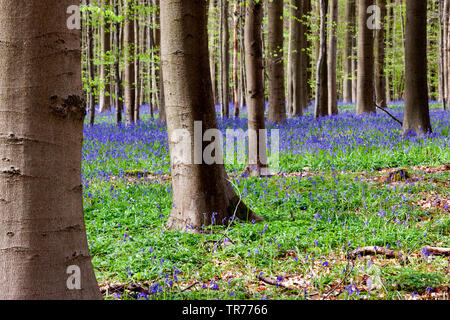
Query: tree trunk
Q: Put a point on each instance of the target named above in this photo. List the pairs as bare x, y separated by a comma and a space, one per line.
417, 117
212, 22
105, 43
321, 108
128, 46
350, 14
380, 53
366, 94
236, 17
332, 51
224, 60
42, 234
136, 62
159, 72
277, 98
257, 159
199, 190
118, 81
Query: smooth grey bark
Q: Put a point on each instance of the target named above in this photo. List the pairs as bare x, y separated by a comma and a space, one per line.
417, 116
332, 63
257, 144
366, 85
380, 54
321, 108
42, 231
129, 73
350, 16
277, 97
199, 190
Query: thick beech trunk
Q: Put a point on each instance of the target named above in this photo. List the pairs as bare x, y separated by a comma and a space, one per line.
199, 190
42, 232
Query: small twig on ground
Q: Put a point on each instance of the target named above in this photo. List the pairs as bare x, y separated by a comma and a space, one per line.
189, 286
339, 284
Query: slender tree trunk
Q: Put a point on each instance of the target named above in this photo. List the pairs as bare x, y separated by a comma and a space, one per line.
243, 76
350, 14
136, 62
257, 160
277, 98
417, 117
321, 108
380, 50
200, 191
366, 94
128, 45
236, 16
443, 52
105, 41
224, 60
160, 75
42, 233
91, 67
332, 51
212, 49
118, 82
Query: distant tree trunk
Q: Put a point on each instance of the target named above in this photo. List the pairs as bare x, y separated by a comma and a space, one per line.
118, 83
91, 67
159, 72
212, 21
243, 76
136, 62
366, 94
42, 231
443, 52
128, 45
350, 14
257, 160
200, 191
332, 51
321, 108
297, 81
277, 98
236, 19
305, 54
417, 117
105, 43
380, 53
224, 60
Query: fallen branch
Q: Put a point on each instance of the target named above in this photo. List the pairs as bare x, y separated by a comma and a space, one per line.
371, 251
435, 251
282, 285
401, 123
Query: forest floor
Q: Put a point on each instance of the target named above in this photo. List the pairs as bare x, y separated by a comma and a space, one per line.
345, 182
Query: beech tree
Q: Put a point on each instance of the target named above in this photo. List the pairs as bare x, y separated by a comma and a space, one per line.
257, 144
380, 53
321, 108
42, 234
365, 94
349, 52
202, 193
332, 64
277, 97
417, 116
